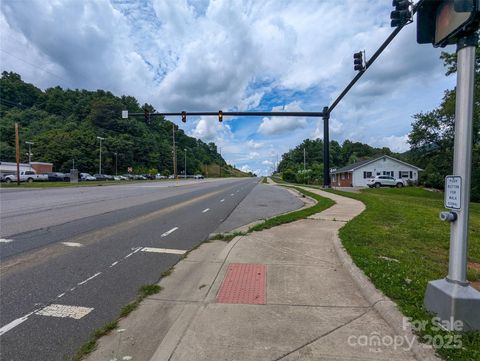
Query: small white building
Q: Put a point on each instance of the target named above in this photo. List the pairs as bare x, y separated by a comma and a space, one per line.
358, 174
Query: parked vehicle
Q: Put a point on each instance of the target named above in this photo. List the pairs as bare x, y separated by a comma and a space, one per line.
87, 177
198, 176
56, 177
159, 176
26, 176
100, 177
385, 181
171, 176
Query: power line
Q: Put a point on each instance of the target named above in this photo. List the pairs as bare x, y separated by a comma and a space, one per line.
36, 66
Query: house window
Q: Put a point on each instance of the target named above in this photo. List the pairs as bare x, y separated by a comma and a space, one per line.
342, 176
367, 175
403, 174
387, 172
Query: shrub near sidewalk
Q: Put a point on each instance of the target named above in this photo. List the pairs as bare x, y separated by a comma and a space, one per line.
400, 243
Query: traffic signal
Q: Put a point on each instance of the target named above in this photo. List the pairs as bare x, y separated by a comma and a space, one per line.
184, 116
358, 61
220, 116
402, 14
443, 22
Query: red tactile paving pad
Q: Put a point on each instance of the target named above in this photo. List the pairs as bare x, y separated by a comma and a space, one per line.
243, 283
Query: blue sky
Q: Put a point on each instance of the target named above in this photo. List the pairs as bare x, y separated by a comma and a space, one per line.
233, 55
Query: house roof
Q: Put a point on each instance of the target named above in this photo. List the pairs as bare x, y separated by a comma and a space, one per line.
356, 165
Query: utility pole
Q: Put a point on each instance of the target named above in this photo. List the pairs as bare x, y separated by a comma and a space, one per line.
116, 163
304, 165
185, 150
30, 153
17, 155
219, 166
174, 153
453, 298
100, 157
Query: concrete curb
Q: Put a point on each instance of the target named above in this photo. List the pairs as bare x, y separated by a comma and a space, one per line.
383, 305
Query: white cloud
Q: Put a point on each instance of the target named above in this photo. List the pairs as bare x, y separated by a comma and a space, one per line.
395, 143
282, 125
232, 54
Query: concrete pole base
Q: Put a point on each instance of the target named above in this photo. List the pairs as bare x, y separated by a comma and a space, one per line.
453, 302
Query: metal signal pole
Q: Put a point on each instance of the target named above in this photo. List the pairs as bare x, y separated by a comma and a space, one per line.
174, 153
452, 298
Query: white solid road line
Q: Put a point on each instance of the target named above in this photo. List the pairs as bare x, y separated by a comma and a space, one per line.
205, 210
15, 323
89, 278
163, 250
222, 200
4, 240
168, 232
72, 244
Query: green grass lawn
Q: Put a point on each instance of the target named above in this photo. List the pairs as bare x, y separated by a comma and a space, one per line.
403, 224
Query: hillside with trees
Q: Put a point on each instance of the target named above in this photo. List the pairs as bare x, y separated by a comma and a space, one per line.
64, 125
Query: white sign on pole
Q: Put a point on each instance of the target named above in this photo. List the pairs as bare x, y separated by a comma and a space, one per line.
124, 114
453, 192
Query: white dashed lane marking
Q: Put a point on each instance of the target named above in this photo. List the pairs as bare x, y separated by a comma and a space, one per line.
205, 210
163, 250
222, 200
72, 244
89, 278
114, 264
168, 232
232, 194
55, 310
4, 240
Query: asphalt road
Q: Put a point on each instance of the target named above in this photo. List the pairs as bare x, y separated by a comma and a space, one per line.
72, 257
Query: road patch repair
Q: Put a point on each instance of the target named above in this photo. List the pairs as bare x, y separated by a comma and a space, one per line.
286, 293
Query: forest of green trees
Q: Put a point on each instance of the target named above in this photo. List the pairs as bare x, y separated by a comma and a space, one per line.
431, 144
64, 125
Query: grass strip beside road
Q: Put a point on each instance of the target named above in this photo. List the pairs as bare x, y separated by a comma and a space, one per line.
36, 185
400, 244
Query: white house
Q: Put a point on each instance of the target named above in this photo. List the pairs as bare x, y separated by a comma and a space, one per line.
357, 174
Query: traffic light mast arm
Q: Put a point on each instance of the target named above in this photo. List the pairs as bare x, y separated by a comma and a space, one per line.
230, 114
371, 60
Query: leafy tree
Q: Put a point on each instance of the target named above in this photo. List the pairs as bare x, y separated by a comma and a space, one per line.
431, 138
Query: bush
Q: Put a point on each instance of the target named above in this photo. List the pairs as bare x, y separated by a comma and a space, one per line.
289, 175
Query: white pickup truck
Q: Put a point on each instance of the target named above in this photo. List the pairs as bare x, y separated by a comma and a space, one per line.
26, 176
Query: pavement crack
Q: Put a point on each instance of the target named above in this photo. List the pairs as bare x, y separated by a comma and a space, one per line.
323, 335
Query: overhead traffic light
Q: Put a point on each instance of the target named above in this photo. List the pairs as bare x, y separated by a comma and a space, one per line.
184, 116
220, 116
443, 22
358, 61
402, 14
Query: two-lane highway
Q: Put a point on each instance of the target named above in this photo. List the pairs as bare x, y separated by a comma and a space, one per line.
71, 258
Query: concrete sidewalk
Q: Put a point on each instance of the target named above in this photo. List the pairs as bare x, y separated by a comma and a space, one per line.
300, 303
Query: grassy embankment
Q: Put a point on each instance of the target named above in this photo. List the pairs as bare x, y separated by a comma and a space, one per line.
400, 243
